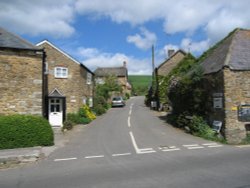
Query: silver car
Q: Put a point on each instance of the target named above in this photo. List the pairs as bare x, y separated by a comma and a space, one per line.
118, 102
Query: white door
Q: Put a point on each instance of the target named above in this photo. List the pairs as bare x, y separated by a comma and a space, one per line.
55, 112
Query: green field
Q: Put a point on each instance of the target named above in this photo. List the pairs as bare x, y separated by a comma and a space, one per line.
140, 83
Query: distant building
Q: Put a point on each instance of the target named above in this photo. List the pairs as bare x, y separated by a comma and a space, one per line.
227, 73
70, 84
121, 73
21, 76
172, 61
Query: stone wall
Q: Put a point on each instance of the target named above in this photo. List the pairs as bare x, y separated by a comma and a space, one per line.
170, 63
237, 92
75, 87
235, 89
20, 82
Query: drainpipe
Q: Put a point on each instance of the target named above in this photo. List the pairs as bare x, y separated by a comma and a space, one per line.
44, 86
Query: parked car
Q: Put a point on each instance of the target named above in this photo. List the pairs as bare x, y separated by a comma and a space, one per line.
118, 101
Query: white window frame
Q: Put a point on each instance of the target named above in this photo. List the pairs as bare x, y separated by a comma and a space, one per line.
89, 78
61, 72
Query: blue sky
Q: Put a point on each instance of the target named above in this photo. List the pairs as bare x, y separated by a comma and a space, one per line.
107, 32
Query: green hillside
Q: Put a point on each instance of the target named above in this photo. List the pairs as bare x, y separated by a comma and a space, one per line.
140, 83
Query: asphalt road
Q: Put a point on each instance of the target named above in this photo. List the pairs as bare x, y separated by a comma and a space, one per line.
132, 147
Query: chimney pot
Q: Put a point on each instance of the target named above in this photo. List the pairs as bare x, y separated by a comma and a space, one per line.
171, 52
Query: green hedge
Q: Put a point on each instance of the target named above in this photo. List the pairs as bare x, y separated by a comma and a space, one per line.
19, 131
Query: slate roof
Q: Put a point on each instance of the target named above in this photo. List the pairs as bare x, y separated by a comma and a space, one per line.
10, 40
106, 71
178, 51
233, 52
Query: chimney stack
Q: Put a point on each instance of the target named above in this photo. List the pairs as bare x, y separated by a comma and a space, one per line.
125, 64
170, 52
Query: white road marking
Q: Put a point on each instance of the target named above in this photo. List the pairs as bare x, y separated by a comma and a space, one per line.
130, 111
129, 124
196, 147
169, 148
121, 154
212, 145
138, 150
176, 149
65, 159
96, 156
134, 143
243, 146
193, 146
215, 146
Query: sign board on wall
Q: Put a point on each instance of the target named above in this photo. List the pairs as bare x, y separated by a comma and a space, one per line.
218, 103
244, 113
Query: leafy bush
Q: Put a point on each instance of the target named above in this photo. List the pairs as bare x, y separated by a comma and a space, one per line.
86, 112
99, 109
18, 131
246, 140
182, 120
68, 125
127, 95
75, 118
85, 120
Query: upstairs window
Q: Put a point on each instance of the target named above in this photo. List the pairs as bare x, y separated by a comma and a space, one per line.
89, 78
61, 72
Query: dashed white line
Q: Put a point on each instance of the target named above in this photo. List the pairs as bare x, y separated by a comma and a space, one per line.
176, 149
169, 148
243, 146
95, 156
65, 159
215, 146
193, 146
212, 145
120, 154
130, 112
196, 147
129, 124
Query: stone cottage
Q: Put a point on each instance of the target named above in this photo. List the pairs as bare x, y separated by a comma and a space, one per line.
21, 76
173, 59
120, 72
227, 73
70, 84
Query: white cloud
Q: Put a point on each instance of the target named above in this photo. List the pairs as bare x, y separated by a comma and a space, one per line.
217, 17
194, 47
94, 58
144, 41
132, 11
38, 17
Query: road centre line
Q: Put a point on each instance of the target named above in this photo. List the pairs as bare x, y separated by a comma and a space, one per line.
65, 159
95, 156
129, 124
130, 112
